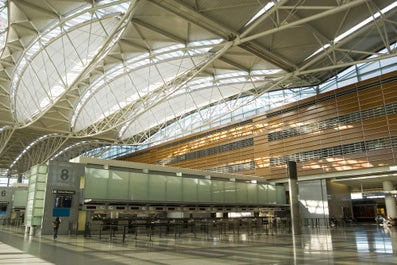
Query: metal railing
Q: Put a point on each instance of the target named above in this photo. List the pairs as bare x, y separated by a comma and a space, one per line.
123, 230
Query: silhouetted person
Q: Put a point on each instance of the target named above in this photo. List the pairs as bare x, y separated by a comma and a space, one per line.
56, 224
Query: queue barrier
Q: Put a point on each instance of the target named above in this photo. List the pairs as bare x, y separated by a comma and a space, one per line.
126, 229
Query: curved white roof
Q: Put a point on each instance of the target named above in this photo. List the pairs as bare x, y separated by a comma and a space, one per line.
117, 71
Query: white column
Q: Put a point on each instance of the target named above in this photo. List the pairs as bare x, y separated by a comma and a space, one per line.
390, 201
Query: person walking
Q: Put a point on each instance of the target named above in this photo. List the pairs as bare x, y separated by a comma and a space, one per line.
56, 224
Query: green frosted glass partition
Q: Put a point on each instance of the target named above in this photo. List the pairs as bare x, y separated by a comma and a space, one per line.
139, 186
252, 193
173, 189
230, 192
204, 190
189, 190
96, 183
218, 191
35, 195
157, 185
241, 192
118, 185
21, 197
104, 184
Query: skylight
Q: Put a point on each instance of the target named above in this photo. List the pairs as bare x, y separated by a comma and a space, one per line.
266, 8
137, 78
356, 28
3, 24
57, 58
42, 138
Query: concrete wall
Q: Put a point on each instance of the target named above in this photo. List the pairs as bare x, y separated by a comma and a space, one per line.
63, 180
5, 199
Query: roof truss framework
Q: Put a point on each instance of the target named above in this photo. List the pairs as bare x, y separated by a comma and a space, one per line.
290, 42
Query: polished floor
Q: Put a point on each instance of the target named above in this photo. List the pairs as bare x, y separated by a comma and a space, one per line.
355, 244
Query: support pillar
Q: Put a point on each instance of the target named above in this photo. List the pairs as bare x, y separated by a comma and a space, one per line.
293, 198
19, 178
390, 201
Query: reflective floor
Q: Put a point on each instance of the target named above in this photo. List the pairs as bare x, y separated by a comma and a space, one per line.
356, 244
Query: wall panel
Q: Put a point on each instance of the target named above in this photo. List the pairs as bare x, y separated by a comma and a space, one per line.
338, 121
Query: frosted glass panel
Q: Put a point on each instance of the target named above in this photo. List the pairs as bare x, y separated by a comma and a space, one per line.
42, 169
272, 196
36, 220
33, 170
37, 204
174, 189
263, 193
139, 186
189, 190
118, 185
20, 198
29, 204
230, 192
32, 189
218, 192
122, 185
157, 187
252, 193
40, 195
32, 178
41, 178
96, 182
204, 190
281, 197
242, 193
40, 186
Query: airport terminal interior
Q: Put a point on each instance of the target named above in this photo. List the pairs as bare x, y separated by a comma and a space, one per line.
198, 132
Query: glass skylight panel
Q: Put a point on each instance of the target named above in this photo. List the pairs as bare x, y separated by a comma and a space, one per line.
195, 121
146, 77
184, 103
3, 24
42, 138
266, 8
170, 55
201, 43
57, 58
220, 80
265, 72
356, 28
54, 68
133, 86
168, 49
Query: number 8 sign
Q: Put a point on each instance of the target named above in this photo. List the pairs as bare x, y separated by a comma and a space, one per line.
64, 174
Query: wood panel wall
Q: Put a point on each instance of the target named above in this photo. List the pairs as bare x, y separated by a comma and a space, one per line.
310, 113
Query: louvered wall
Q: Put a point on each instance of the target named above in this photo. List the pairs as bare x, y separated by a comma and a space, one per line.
348, 128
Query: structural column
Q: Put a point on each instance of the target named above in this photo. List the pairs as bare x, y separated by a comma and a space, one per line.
390, 201
19, 180
293, 198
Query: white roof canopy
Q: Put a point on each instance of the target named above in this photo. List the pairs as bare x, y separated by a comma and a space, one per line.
107, 71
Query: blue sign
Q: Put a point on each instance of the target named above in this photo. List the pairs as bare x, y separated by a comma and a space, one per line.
60, 212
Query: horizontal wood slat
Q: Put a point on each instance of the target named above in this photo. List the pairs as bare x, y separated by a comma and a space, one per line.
351, 119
